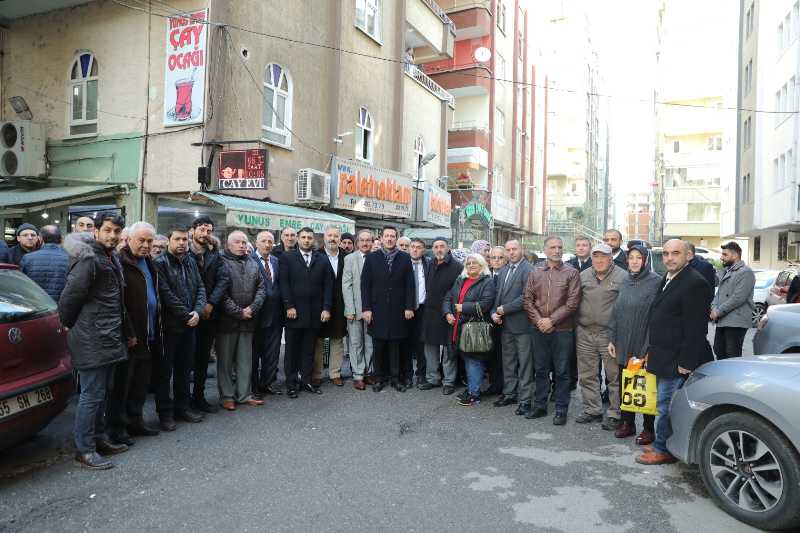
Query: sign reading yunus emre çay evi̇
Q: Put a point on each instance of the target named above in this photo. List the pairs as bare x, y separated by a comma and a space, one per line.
243, 219
366, 189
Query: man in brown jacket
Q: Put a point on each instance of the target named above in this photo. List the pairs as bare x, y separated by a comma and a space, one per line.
551, 298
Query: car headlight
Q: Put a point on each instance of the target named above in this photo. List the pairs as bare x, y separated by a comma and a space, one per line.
694, 377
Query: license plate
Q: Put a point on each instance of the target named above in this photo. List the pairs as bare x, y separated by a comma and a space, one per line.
23, 402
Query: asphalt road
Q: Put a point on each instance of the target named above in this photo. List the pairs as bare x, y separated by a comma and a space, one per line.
367, 461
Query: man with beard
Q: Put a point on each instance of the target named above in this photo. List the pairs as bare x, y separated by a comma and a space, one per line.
732, 307
335, 328
92, 308
347, 243
307, 291
613, 238
27, 241
143, 305
160, 243
205, 250
84, 224
360, 341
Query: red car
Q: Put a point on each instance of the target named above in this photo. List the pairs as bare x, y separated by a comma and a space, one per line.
36, 378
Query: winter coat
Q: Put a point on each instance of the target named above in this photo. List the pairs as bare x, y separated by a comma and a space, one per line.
480, 295
706, 270
271, 313
15, 254
336, 327
438, 282
3, 251
388, 294
734, 299
627, 329
509, 296
182, 290
136, 305
621, 260
91, 306
245, 289
306, 289
213, 273
351, 284
580, 267
48, 268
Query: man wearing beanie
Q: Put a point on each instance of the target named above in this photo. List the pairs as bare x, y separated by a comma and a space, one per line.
347, 243
27, 241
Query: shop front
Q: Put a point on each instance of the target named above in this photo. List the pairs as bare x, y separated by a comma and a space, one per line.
472, 219
505, 212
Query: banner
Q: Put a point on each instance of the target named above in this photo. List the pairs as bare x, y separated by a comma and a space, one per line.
242, 169
360, 187
185, 69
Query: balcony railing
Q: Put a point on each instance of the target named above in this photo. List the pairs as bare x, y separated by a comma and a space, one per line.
434, 88
439, 12
457, 5
469, 125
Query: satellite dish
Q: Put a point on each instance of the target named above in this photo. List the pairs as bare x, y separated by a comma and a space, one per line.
482, 54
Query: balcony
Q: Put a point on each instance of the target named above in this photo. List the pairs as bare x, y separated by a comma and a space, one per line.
473, 18
14, 9
424, 80
429, 31
473, 79
470, 133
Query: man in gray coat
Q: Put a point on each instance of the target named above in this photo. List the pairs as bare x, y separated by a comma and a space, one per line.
515, 338
360, 341
732, 307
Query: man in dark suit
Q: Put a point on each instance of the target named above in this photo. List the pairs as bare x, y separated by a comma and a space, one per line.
705, 268
388, 299
267, 339
335, 328
515, 337
613, 238
288, 242
583, 257
306, 282
678, 326
413, 348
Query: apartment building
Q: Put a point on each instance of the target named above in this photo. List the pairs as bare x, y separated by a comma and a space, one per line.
637, 216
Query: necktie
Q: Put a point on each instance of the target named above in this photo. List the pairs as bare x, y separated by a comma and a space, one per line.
415, 264
266, 268
510, 273
308, 259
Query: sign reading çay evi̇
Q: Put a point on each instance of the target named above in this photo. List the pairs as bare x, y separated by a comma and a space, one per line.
242, 169
185, 68
360, 187
244, 219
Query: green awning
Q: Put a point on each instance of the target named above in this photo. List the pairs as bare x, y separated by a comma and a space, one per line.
19, 201
257, 214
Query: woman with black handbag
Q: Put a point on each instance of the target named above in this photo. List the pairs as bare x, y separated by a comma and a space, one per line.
467, 307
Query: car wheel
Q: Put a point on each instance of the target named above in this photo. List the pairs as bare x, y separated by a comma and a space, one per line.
758, 313
751, 471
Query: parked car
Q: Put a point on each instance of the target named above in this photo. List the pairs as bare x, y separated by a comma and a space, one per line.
778, 331
778, 291
657, 260
708, 254
737, 420
764, 281
36, 378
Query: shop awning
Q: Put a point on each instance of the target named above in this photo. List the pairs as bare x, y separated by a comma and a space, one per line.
258, 214
18, 201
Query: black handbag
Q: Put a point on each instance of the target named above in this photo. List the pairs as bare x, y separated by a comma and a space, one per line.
476, 335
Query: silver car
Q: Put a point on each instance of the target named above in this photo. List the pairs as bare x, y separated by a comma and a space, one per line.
778, 331
738, 420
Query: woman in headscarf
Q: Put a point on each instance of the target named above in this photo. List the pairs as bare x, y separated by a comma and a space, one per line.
483, 248
627, 331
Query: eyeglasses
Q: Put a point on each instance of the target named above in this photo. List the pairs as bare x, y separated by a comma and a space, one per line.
496, 257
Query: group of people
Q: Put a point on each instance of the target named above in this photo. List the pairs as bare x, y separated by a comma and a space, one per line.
141, 319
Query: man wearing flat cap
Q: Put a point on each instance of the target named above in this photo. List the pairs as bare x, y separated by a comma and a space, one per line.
27, 241
600, 287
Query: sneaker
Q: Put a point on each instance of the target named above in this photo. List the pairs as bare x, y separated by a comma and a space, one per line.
463, 396
448, 389
469, 401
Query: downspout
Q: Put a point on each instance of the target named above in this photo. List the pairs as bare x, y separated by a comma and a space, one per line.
531, 186
544, 155
514, 103
523, 180
492, 82
399, 125
335, 80
739, 105
142, 193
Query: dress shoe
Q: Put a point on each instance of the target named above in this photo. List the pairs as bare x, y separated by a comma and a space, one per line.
121, 437
427, 386
372, 380
189, 416
586, 418
625, 430
229, 405
139, 428
611, 424
106, 447
645, 437
560, 419
291, 393
313, 389
359, 384
399, 386
272, 391
378, 386
448, 389
655, 457
204, 407
502, 401
338, 382
254, 402
316, 382
536, 412
166, 423
523, 409
93, 461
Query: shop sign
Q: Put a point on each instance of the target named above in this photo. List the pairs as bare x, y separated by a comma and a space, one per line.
505, 209
475, 210
367, 189
185, 68
437, 206
244, 219
242, 169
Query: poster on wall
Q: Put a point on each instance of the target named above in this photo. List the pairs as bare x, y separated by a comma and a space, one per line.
185, 69
242, 169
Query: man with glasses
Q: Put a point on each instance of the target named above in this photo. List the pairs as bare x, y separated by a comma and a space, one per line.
27, 241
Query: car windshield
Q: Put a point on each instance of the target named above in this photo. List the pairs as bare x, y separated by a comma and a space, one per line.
21, 298
764, 279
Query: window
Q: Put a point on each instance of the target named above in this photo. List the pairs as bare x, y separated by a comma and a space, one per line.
789, 175
82, 88
500, 66
795, 20
499, 125
368, 18
776, 171
780, 36
501, 16
276, 118
748, 18
747, 196
747, 134
748, 77
364, 139
783, 245
757, 248
703, 213
787, 30
676, 146
521, 46
781, 170
715, 143
419, 155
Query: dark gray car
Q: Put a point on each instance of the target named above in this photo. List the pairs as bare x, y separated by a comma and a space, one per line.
738, 420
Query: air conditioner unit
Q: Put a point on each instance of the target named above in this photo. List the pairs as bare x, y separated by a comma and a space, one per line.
312, 187
792, 252
22, 149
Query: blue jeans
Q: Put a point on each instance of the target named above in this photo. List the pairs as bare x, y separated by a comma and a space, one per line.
552, 351
666, 388
475, 371
90, 417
